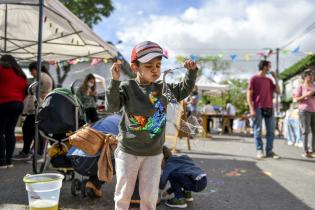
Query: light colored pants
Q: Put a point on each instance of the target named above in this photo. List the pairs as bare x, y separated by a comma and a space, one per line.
292, 130
128, 168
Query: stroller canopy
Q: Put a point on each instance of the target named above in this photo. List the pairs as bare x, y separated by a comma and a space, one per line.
109, 124
57, 114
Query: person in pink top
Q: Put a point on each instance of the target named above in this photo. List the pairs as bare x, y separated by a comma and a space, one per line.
259, 98
12, 93
305, 96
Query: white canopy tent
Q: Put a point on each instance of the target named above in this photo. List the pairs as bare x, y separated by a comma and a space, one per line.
46, 30
64, 35
208, 87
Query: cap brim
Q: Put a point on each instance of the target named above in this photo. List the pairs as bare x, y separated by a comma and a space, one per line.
150, 56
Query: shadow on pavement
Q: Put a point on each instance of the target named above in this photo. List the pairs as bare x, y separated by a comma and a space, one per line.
242, 156
232, 184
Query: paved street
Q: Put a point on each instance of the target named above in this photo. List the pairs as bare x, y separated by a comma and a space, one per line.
236, 179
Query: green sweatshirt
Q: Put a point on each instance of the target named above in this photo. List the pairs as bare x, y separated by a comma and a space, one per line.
142, 127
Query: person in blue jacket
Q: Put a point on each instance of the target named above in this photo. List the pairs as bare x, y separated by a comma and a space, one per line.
184, 177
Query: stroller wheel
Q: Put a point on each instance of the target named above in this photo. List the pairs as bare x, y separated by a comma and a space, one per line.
83, 191
75, 187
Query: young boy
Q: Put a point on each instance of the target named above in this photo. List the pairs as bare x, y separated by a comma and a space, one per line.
184, 176
142, 127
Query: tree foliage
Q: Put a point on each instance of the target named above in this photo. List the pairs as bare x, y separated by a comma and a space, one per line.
214, 63
298, 67
90, 11
236, 95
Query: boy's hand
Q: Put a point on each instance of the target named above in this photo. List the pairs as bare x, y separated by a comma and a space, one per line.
115, 69
190, 65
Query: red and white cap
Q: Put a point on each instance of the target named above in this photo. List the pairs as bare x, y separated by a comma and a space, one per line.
146, 51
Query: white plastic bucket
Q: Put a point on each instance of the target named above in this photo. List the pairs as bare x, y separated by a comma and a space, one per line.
43, 190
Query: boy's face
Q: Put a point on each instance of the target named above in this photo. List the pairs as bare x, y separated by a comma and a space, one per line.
150, 71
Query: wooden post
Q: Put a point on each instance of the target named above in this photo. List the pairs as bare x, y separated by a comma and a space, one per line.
181, 118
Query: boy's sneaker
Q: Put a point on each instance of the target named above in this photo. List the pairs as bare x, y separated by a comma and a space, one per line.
22, 156
260, 154
188, 196
313, 154
176, 203
272, 155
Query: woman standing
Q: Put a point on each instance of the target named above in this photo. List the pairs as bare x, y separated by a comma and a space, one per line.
13, 85
305, 96
46, 85
87, 95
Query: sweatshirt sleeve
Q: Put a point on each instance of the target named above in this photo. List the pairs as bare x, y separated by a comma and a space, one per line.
115, 96
183, 89
164, 178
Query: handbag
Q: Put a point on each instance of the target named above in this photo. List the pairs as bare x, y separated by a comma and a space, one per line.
87, 139
267, 112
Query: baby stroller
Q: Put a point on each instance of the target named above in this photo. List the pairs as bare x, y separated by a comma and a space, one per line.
87, 165
60, 114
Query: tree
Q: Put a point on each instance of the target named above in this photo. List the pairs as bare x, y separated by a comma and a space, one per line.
214, 63
90, 11
237, 94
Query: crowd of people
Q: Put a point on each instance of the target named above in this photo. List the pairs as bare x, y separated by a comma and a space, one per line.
140, 154
298, 123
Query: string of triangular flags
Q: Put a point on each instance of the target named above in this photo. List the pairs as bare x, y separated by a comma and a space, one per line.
230, 56
248, 56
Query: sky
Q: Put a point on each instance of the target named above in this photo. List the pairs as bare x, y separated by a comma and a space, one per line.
214, 28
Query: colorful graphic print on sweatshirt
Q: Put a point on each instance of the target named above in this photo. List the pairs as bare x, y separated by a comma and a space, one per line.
153, 124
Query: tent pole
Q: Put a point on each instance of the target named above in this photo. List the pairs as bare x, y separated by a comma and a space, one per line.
39, 66
5, 27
